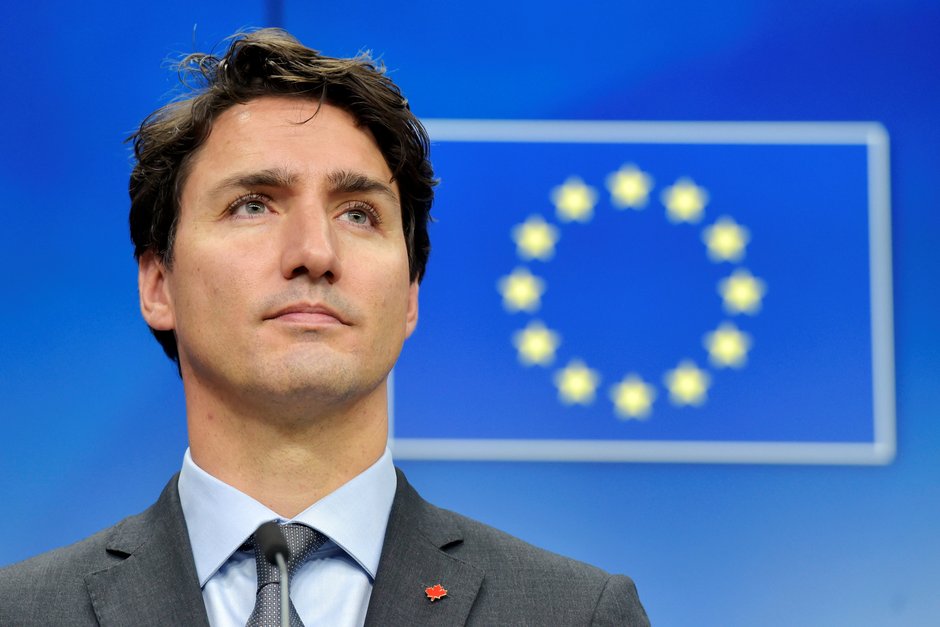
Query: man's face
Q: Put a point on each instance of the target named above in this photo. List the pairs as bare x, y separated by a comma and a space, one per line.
289, 280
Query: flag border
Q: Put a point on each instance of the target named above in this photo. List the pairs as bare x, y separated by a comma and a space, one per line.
873, 135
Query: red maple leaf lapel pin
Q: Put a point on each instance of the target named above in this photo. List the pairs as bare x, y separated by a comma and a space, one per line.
435, 592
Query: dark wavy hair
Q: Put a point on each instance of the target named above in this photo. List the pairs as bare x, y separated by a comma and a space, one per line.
269, 62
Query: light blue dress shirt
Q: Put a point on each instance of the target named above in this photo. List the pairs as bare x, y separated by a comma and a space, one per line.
332, 588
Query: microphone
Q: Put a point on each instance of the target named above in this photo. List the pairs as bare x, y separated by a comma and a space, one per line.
273, 544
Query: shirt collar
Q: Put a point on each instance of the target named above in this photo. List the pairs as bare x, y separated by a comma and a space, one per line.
220, 518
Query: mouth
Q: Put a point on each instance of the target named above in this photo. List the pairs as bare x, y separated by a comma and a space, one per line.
307, 314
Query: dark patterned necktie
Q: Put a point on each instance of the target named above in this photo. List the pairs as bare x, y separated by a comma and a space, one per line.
302, 541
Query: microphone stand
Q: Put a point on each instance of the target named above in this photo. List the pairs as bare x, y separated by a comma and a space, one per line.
285, 590
274, 547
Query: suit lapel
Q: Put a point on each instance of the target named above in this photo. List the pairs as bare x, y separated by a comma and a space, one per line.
412, 560
155, 583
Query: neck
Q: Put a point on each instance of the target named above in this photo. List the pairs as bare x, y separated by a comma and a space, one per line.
286, 459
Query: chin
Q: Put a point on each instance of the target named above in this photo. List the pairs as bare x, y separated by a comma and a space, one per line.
325, 382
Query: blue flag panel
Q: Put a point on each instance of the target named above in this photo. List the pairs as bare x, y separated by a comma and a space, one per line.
655, 292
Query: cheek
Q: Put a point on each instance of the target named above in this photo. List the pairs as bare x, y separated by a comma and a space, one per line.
396, 304
210, 290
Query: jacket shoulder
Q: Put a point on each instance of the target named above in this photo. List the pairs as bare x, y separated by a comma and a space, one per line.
60, 564
28, 587
51, 588
521, 583
516, 569
495, 550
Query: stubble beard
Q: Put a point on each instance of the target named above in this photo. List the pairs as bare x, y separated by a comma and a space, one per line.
300, 392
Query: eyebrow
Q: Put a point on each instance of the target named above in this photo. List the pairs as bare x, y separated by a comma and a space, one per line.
350, 182
340, 182
272, 177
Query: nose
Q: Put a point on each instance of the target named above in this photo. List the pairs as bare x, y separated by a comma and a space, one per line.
310, 246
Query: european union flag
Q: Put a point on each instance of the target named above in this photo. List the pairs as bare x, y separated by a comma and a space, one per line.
654, 292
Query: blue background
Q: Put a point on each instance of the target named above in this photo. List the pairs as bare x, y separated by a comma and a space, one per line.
92, 413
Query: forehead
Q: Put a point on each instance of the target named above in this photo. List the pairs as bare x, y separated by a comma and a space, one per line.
293, 134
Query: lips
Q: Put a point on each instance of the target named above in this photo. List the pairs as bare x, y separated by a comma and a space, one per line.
308, 314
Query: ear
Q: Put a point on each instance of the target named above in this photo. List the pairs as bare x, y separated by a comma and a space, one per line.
156, 305
411, 319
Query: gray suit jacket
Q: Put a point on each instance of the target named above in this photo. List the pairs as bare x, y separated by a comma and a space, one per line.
141, 572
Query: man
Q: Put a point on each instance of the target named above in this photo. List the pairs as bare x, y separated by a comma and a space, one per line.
279, 217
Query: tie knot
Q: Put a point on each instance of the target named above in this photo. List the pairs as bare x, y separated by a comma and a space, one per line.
301, 540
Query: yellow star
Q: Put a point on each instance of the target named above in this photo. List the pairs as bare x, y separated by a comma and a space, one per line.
535, 239
576, 383
742, 292
726, 240
687, 384
536, 344
727, 346
629, 187
632, 397
574, 201
521, 290
685, 201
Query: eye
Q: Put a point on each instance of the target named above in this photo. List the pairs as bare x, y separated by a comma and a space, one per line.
249, 206
361, 214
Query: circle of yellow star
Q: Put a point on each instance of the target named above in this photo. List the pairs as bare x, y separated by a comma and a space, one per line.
521, 290
687, 384
536, 344
576, 383
725, 240
685, 201
632, 397
535, 239
574, 201
727, 346
742, 292
629, 187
